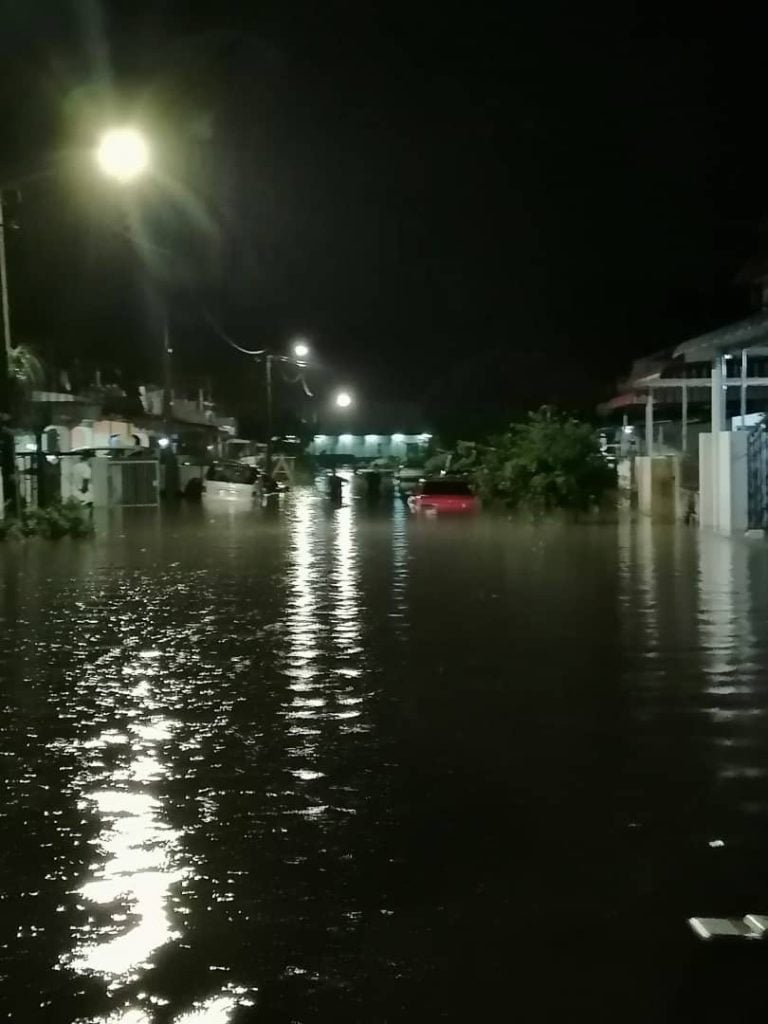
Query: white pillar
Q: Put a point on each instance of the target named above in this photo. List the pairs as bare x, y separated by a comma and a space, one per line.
649, 424
685, 419
718, 395
743, 408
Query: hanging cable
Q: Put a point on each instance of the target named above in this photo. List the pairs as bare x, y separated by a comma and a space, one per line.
229, 341
299, 379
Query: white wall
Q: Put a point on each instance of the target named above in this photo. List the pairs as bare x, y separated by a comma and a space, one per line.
657, 485
644, 490
366, 446
625, 471
707, 485
723, 481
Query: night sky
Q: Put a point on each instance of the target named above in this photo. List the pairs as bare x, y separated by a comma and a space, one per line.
466, 205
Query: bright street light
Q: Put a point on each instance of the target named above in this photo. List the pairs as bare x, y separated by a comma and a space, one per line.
123, 154
301, 349
343, 400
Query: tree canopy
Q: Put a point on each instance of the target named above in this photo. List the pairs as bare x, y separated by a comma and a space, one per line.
547, 462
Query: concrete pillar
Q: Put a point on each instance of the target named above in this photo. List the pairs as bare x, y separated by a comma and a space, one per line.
743, 403
718, 425
649, 424
707, 499
723, 481
684, 429
718, 394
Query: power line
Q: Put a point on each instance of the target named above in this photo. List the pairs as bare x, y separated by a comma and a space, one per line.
229, 341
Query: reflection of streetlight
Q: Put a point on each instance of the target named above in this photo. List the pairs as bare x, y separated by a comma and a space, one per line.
123, 154
343, 400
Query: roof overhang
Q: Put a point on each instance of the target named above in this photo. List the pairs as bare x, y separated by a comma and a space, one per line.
751, 333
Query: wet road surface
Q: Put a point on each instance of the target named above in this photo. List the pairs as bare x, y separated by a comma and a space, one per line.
309, 765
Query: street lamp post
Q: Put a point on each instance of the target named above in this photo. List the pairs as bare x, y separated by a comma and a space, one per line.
123, 155
301, 351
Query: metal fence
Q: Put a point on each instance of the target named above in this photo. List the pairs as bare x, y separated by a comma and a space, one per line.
27, 480
757, 479
116, 482
133, 483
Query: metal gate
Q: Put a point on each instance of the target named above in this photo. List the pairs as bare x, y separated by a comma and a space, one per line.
757, 479
28, 472
133, 483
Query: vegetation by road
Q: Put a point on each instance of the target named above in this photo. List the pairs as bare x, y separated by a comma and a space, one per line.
549, 462
65, 519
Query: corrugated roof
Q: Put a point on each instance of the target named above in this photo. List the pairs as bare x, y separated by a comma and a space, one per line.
743, 334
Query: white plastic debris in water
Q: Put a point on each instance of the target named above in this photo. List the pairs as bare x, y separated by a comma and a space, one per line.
753, 926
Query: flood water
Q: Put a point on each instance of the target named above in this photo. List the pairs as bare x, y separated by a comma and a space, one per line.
313, 765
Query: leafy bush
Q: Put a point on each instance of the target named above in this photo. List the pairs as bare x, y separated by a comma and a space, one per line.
69, 519
546, 463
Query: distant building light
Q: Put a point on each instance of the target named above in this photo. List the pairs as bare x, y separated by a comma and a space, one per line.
628, 429
346, 438
372, 437
163, 442
30, 447
398, 438
319, 438
425, 437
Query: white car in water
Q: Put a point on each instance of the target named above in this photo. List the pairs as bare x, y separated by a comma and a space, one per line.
231, 481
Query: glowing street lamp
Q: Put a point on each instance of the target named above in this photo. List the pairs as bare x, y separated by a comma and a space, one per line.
301, 349
343, 400
123, 154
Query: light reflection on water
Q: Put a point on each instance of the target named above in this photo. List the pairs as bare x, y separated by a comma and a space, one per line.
311, 759
400, 548
323, 618
135, 866
131, 891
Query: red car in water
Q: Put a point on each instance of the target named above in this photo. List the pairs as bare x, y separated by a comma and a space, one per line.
444, 496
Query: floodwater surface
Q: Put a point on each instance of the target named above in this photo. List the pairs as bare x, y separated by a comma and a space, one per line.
311, 765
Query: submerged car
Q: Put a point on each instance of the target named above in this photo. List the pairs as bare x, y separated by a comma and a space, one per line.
231, 481
444, 496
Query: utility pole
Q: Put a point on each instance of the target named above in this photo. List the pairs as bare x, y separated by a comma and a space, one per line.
7, 450
268, 381
5, 357
167, 375
168, 457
